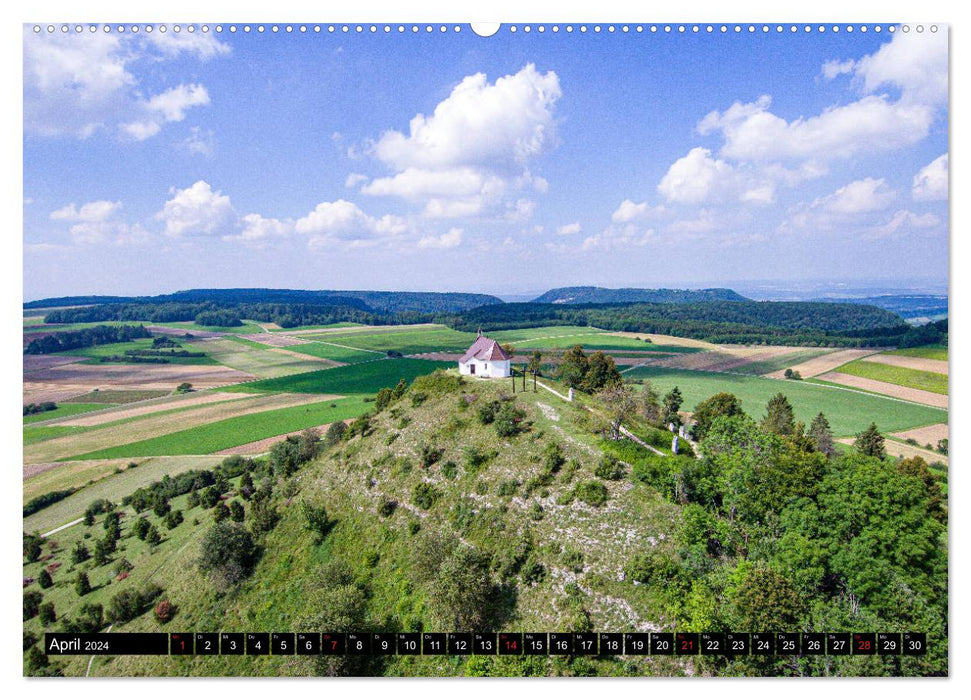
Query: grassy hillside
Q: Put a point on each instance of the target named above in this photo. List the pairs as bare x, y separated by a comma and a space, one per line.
901, 376
362, 378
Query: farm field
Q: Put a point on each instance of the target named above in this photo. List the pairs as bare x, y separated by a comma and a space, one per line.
96, 352
152, 406
848, 411
901, 376
362, 378
930, 352
918, 363
63, 410
84, 440
407, 342
259, 360
114, 488
324, 327
221, 435
338, 353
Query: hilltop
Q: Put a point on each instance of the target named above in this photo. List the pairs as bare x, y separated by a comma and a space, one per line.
603, 295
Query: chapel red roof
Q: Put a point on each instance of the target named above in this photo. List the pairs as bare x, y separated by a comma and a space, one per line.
485, 349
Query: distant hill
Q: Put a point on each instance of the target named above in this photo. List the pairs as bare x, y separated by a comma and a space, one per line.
602, 295
382, 302
916, 308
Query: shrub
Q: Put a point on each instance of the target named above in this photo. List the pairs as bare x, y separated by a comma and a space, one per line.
164, 611
90, 617
532, 571
429, 455
508, 488
509, 420
360, 426
44, 500
47, 613
152, 536
449, 470
486, 412
237, 512
80, 553
82, 586
387, 507
141, 527
124, 606
609, 468
173, 519
651, 567
425, 495
263, 517
32, 601
123, 566
572, 559
220, 512
161, 507
44, 579
371, 559
593, 493
33, 545
316, 520
228, 553
476, 457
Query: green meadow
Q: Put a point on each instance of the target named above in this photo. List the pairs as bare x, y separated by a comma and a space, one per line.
64, 410
363, 378
901, 376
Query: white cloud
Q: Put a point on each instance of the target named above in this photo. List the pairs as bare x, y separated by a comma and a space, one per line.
95, 223
930, 184
78, 84
860, 196
479, 123
695, 178
618, 238
344, 222
901, 222
169, 106
197, 211
449, 239
255, 231
569, 229
471, 154
629, 211
199, 141
703, 223
354, 179
834, 68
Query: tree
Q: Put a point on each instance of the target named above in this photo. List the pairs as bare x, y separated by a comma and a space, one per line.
721, 404
44, 579
535, 365
209, 497
80, 553
152, 536
161, 506
821, 435
335, 433
870, 442
764, 599
936, 503
509, 419
316, 520
621, 405
464, 590
263, 517
101, 553
650, 404
32, 601
32, 547
82, 586
779, 417
383, 399
573, 367
942, 446
601, 372
672, 404
47, 613
140, 527
173, 519
183, 388
236, 512
399, 389
228, 553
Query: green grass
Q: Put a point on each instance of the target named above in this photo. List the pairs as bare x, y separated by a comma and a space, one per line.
221, 435
363, 378
247, 327
39, 433
64, 410
407, 342
848, 411
117, 396
781, 362
342, 324
96, 352
901, 376
592, 339
337, 353
928, 352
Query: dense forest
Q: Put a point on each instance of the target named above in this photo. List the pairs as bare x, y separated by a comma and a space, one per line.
790, 323
374, 301
602, 295
85, 338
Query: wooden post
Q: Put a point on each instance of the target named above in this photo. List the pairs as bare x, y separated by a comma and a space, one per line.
534, 382
512, 375
524, 377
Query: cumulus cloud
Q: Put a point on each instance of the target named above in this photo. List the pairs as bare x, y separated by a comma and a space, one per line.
471, 155
618, 238
915, 66
629, 211
169, 106
860, 196
696, 177
901, 222
355, 179
199, 142
344, 222
449, 239
569, 229
96, 222
255, 231
930, 184
78, 84
197, 211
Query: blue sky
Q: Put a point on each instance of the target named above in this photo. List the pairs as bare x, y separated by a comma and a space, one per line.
451, 162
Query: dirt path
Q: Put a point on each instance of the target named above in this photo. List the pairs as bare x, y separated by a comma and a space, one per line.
899, 449
928, 434
918, 363
181, 401
824, 363
928, 398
